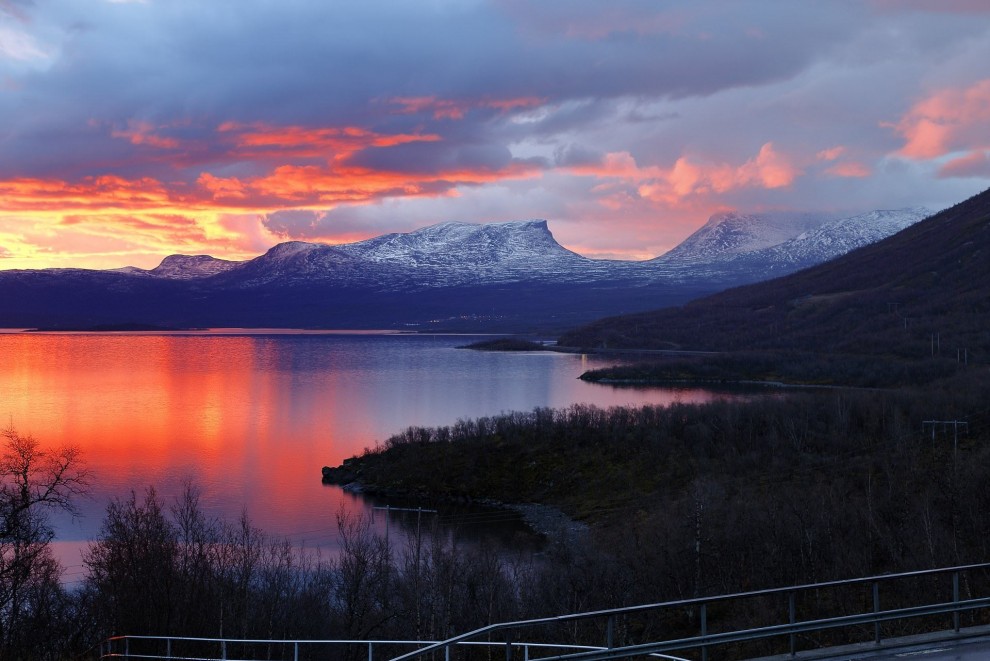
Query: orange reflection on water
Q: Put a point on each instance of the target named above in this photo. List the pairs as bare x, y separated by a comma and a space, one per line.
251, 419
227, 413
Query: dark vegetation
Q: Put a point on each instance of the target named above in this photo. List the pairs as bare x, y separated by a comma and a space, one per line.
505, 344
729, 496
780, 368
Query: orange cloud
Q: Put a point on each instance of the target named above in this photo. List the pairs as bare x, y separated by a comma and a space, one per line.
91, 193
456, 109
947, 121
286, 141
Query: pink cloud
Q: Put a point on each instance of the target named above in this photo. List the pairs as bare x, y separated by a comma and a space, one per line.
849, 169
831, 153
688, 178
947, 121
974, 164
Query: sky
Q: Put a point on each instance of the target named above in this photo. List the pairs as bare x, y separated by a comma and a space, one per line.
131, 130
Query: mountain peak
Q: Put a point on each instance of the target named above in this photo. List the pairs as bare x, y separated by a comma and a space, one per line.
734, 232
506, 242
187, 267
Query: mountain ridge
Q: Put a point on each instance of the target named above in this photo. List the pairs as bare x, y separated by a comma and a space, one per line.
507, 276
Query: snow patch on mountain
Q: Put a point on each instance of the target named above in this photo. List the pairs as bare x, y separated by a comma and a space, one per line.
464, 243
732, 233
835, 238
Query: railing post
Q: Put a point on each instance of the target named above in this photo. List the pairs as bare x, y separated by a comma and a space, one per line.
127, 648
704, 630
876, 609
446, 653
371, 651
955, 600
610, 632
223, 649
168, 647
791, 619
295, 650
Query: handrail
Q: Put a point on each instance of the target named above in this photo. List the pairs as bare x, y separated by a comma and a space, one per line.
696, 601
311, 641
745, 635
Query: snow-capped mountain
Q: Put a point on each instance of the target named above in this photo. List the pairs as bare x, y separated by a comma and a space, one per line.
497, 276
833, 239
749, 247
444, 255
733, 233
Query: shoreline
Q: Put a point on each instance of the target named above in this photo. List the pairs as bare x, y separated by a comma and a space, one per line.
545, 520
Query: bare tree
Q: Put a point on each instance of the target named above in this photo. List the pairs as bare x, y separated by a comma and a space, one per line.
34, 481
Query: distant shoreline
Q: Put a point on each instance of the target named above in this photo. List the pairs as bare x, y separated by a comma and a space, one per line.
222, 331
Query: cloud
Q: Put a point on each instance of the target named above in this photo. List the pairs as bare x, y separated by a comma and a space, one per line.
457, 109
974, 164
831, 153
948, 120
143, 133
849, 169
935, 6
688, 177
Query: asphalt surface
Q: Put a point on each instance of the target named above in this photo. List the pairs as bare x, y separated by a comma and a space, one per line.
944, 651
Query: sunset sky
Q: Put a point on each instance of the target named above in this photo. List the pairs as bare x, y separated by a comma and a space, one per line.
130, 130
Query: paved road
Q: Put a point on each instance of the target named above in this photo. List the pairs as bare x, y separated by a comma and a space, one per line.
945, 651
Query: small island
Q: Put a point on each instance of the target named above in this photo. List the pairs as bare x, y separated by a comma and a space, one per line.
505, 344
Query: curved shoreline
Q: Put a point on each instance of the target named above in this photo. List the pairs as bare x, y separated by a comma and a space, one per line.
545, 520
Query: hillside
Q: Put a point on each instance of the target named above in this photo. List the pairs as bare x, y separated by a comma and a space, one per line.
926, 289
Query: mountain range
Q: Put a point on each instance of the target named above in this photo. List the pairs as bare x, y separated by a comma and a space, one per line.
922, 292
499, 276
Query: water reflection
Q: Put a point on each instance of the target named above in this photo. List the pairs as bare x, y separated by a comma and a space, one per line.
252, 418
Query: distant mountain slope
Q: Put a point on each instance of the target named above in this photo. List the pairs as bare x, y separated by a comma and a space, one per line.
744, 248
734, 233
927, 286
185, 267
832, 239
500, 276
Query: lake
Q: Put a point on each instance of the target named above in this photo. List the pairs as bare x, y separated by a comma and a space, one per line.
251, 417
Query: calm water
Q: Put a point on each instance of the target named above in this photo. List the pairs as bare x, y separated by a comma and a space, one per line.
251, 418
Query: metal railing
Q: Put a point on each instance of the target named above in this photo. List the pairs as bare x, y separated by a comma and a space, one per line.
705, 639
709, 616
178, 648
